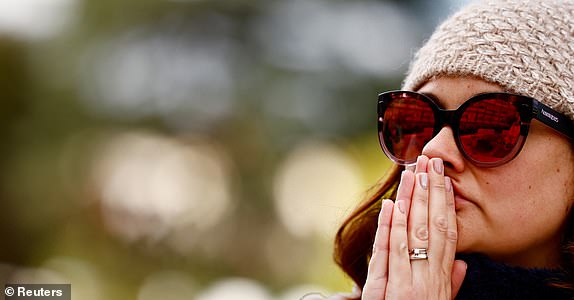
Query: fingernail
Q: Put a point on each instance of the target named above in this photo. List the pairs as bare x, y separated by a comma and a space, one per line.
401, 205
420, 166
437, 165
448, 183
384, 208
386, 203
423, 180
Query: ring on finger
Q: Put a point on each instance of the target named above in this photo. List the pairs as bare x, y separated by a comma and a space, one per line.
418, 253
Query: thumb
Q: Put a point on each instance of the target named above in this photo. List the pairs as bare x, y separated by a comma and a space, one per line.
458, 272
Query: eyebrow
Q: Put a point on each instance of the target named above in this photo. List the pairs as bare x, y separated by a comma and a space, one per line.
441, 103
436, 99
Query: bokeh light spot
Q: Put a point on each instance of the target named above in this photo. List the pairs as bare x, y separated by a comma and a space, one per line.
236, 289
35, 18
151, 185
315, 187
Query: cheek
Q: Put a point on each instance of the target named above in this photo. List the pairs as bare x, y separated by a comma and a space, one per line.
530, 193
522, 204
542, 174
513, 219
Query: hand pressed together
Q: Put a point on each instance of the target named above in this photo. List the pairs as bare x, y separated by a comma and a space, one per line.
422, 217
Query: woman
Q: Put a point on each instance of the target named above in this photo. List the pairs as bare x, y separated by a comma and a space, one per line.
483, 210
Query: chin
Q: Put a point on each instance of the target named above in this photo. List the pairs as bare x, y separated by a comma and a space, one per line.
463, 249
465, 242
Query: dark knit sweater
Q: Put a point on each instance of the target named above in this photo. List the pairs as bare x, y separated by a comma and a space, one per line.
486, 279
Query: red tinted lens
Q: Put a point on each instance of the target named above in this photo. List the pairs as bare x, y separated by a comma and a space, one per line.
408, 124
490, 130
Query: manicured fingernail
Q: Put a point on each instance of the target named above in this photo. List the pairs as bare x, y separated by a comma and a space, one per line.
384, 210
401, 205
437, 165
448, 183
423, 180
386, 203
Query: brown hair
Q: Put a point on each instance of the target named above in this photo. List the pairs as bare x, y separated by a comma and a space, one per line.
354, 239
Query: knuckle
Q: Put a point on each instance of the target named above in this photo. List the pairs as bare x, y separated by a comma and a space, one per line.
441, 223
381, 249
399, 222
402, 247
452, 235
422, 199
422, 233
383, 225
450, 203
437, 185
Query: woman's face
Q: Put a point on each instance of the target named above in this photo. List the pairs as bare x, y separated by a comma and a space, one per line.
514, 213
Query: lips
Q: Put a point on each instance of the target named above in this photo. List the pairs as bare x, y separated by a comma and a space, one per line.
460, 200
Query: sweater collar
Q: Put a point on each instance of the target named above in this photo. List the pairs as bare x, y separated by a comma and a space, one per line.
487, 279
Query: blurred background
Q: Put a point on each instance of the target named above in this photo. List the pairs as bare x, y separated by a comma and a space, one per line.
192, 149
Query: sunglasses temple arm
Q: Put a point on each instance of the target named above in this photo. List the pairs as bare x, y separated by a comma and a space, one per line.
552, 118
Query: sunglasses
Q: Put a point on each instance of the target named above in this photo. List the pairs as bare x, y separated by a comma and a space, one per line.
489, 129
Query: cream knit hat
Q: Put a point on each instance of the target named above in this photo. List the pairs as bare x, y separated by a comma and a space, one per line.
527, 47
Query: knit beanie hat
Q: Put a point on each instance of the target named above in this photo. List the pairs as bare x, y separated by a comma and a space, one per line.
526, 47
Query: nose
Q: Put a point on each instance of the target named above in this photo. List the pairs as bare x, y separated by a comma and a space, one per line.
443, 146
